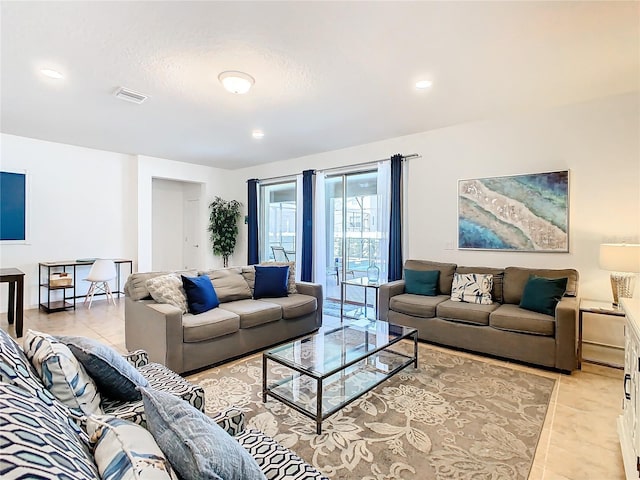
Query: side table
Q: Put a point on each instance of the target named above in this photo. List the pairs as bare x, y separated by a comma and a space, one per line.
599, 308
15, 278
366, 284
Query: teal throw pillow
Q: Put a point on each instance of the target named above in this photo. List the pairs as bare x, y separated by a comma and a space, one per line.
543, 294
196, 447
116, 378
421, 282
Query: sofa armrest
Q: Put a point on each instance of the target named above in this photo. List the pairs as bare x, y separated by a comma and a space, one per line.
567, 312
137, 358
314, 290
155, 328
388, 290
230, 420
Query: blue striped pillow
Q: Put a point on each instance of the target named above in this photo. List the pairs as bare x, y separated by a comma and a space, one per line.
124, 450
61, 373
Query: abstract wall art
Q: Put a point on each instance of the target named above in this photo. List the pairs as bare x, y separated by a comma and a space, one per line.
525, 213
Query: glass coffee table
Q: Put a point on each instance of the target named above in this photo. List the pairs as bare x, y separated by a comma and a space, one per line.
324, 372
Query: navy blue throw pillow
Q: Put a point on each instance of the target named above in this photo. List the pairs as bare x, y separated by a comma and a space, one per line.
543, 294
271, 282
421, 282
201, 296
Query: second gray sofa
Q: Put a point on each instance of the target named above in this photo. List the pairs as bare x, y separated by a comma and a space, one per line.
503, 329
185, 342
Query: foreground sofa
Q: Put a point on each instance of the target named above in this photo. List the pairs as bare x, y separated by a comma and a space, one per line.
502, 328
42, 438
186, 342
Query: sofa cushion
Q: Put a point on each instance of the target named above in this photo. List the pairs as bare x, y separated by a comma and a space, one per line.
472, 288
62, 373
498, 279
168, 289
446, 272
296, 305
515, 278
465, 312
416, 305
201, 296
421, 282
271, 282
35, 443
229, 284
115, 377
513, 318
195, 445
249, 274
124, 450
212, 324
543, 294
254, 312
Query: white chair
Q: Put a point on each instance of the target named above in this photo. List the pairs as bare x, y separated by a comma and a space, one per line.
101, 272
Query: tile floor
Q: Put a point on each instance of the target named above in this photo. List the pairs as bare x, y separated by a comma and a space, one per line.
579, 438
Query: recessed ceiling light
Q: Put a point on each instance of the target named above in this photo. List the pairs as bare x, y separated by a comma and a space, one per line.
51, 73
422, 84
236, 82
257, 134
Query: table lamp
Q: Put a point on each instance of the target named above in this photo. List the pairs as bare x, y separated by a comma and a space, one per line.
623, 260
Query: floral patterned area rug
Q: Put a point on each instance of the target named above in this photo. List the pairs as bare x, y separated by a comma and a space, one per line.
451, 418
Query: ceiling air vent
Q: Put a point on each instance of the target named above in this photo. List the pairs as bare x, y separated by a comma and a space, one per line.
129, 95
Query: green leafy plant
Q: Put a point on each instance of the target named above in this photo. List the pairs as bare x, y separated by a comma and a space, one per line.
223, 227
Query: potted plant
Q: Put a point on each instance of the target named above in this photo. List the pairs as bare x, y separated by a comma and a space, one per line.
223, 226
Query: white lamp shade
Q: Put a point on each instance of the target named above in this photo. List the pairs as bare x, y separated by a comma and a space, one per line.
620, 257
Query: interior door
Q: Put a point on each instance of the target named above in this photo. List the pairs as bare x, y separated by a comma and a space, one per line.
191, 246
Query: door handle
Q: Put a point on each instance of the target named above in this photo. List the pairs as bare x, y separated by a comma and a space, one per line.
196, 246
627, 378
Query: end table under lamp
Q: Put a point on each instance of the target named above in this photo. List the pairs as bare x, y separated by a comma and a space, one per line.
623, 261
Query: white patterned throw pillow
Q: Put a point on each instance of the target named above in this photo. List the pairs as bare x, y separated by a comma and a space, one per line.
168, 289
61, 372
472, 288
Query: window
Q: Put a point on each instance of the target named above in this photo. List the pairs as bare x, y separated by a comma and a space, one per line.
278, 213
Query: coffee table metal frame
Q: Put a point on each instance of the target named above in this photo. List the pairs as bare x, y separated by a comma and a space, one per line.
318, 416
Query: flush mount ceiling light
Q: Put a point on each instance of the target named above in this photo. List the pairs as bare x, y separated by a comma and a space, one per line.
236, 82
257, 134
51, 73
422, 84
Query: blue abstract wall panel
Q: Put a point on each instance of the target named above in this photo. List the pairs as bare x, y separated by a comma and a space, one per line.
528, 213
13, 206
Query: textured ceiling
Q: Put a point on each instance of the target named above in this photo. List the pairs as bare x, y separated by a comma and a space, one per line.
328, 74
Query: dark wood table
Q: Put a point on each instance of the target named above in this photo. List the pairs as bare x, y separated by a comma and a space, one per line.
15, 278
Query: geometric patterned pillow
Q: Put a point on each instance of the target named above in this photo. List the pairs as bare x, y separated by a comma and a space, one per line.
36, 443
472, 288
61, 373
168, 289
124, 450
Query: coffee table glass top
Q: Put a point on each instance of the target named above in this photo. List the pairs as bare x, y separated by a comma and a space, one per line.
332, 348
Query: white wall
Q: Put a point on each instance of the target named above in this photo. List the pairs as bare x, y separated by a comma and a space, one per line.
597, 141
81, 203
216, 182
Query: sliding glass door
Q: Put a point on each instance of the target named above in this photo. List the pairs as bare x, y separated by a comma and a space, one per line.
354, 231
278, 221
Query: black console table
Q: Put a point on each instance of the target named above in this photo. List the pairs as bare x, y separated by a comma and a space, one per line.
15, 278
46, 269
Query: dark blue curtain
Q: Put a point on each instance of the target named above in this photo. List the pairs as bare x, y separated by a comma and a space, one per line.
306, 270
252, 205
395, 224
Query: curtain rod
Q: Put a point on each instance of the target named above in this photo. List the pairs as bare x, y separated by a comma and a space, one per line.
372, 162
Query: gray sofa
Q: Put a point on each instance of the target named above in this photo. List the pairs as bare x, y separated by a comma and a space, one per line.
187, 342
502, 329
